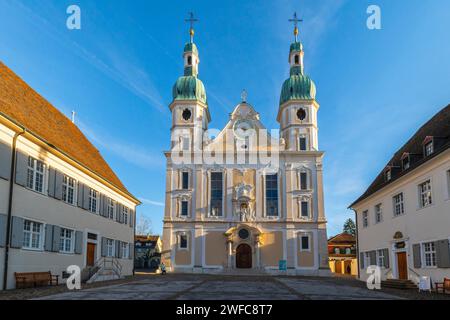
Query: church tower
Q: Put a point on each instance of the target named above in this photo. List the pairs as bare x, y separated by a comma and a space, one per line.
190, 113
298, 108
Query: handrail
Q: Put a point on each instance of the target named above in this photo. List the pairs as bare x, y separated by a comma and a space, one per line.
415, 272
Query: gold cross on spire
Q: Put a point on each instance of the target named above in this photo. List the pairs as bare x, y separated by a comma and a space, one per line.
191, 20
295, 20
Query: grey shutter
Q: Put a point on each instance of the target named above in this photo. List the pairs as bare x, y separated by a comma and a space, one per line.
3, 222
442, 254
80, 195
417, 256
131, 217
59, 177
361, 260
78, 242
118, 212
102, 205
56, 239
373, 258
48, 237
17, 232
21, 169
104, 247
86, 191
118, 249
51, 182
5, 161
131, 251
386, 258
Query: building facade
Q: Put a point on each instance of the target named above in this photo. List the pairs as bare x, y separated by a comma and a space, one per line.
342, 254
243, 197
60, 203
147, 252
403, 219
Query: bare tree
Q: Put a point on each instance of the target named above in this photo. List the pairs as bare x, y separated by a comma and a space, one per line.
144, 226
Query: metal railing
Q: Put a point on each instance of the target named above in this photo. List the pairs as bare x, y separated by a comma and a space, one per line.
105, 265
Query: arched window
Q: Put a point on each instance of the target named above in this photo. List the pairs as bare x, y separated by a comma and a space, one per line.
189, 61
297, 59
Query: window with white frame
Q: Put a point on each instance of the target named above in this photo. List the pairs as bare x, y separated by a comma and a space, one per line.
380, 258
425, 196
125, 214
365, 218
305, 244
272, 195
184, 208
304, 208
68, 190
429, 148
429, 254
406, 163
93, 200
66, 241
111, 208
378, 213
125, 250
303, 180
183, 241
216, 194
110, 248
337, 251
399, 207
185, 180
348, 251
388, 175
35, 175
33, 233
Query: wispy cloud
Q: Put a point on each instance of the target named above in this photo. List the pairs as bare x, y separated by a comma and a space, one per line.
152, 202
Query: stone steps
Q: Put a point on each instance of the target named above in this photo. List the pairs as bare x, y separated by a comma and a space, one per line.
399, 284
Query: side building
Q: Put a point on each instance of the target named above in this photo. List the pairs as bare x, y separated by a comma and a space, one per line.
60, 202
403, 219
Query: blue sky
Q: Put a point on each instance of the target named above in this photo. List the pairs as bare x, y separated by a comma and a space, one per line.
375, 87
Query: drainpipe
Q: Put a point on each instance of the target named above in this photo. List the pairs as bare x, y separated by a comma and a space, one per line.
10, 203
357, 245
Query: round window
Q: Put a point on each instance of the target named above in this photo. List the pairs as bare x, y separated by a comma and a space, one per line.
301, 114
244, 234
187, 114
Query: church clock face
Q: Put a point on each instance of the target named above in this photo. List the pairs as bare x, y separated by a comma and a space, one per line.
243, 129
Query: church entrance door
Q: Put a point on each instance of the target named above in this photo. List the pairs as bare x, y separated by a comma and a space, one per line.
243, 256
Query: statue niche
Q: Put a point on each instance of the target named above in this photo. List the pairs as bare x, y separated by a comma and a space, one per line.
243, 202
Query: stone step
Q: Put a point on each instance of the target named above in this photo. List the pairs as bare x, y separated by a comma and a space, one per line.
399, 284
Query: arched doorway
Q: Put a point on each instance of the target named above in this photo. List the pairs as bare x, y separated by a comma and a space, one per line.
243, 256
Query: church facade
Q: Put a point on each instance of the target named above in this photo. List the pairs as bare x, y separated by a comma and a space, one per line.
245, 197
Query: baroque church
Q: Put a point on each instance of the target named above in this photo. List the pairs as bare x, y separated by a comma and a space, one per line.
245, 197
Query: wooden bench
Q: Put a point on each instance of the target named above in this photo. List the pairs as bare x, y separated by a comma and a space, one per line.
443, 286
35, 279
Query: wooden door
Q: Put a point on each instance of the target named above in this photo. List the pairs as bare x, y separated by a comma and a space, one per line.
402, 266
90, 254
244, 256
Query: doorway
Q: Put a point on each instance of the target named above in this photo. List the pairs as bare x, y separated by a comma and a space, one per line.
243, 256
402, 266
90, 256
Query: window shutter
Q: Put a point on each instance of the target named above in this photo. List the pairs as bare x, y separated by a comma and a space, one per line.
417, 256
361, 260
118, 248
3, 221
118, 212
48, 237
386, 258
373, 258
78, 242
86, 191
131, 217
21, 169
5, 161
442, 254
80, 196
59, 177
56, 238
104, 205
104, 247
17, 232
130, 251
51, 182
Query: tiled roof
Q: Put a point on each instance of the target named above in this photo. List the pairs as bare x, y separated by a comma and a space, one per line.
438, 127
20, 103
342, 238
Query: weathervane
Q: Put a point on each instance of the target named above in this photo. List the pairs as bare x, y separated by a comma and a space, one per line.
191, 20
295, 20
244, 96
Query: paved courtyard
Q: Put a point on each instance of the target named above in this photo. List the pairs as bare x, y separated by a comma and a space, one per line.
203, 287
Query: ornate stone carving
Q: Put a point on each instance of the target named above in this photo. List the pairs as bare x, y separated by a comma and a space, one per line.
244, 202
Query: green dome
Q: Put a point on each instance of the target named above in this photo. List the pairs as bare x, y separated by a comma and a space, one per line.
298, 87
191, 47
296, 46
189, 88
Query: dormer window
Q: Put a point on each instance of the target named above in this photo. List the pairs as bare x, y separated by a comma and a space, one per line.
429, 148
388, 174
406, 163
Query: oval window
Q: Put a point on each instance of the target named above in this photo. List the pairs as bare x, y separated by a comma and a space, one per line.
187, 114
301, 114
244, 234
